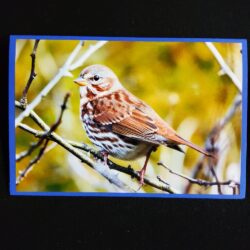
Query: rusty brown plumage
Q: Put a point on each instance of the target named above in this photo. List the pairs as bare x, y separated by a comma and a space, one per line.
119, 123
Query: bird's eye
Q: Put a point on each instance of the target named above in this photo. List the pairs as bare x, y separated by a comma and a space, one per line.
96, 77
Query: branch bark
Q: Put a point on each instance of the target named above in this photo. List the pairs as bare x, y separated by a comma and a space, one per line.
32, 74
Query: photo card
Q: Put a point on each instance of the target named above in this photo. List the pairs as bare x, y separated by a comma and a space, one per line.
132, 117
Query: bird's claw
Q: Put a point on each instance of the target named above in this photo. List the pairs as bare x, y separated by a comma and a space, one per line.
141, 175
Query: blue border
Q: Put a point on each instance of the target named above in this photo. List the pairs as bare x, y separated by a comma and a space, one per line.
12, 52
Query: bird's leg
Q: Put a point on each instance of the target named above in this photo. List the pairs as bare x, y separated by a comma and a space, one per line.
105, 155
143, 170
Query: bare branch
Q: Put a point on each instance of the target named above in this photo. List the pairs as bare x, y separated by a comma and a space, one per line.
112, 178
214, 135
28, 152
212, 139
50, 147
59, 120
224, 66
64, 71
45, 136
197, 169
71, 147
25, 172
32, 74
87, 54
200, 182
211, 164
35, 145
161, 180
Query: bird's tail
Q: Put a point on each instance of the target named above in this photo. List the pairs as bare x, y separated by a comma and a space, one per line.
179, 140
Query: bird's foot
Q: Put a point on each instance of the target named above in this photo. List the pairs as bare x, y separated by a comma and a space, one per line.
141, 175
105, 155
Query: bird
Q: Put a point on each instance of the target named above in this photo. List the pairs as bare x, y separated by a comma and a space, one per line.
120, 124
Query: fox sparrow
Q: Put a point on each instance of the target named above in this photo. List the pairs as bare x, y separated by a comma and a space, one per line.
120, 124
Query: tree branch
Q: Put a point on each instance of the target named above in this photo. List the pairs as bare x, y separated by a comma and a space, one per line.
28, 152
212, 139
25, 172
224, 65
71, 147
214, 134
32, 76
64, 71
110, 177
44, 137
201, 182
87, 54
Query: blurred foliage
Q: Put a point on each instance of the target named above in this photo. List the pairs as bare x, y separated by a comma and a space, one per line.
179, 80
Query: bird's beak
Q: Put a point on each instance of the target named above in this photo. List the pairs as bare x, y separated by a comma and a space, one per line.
80, 81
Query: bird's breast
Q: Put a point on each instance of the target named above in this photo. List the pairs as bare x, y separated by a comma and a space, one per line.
116, 145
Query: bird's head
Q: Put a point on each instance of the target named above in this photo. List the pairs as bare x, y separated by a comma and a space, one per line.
97, 79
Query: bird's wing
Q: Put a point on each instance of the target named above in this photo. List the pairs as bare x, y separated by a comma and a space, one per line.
130, 117
127, 115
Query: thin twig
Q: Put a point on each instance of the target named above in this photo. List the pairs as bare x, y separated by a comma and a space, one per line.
87, 54
214, 134
195, 173
213, 137
161, 180
235, 187
50, 147
59, 120
224, 65
32, 76
25, 172
56, 138
71, 147
28, 152
211, 164
64, 71
45, 136
199, 182
86, 148
35, 145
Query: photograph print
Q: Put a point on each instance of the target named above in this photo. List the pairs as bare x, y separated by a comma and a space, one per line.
138, 117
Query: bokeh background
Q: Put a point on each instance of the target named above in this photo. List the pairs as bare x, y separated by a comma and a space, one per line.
180, 80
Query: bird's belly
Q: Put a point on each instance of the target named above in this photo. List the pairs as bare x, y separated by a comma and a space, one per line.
123, 150
116, 145
131, 154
